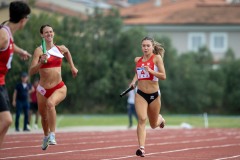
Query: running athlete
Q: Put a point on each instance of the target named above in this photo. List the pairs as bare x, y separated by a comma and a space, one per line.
149, 69
51, 89
19, 13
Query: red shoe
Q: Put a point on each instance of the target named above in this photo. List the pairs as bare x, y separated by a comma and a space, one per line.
140, 152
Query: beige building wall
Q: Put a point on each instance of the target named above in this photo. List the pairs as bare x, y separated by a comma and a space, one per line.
180, 41
234, 42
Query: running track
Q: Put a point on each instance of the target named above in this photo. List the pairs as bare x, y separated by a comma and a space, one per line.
162, 144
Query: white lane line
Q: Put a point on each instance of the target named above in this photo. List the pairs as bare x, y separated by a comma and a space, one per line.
124, 146
98, 142
181, 150
71, 151
81, 138
227, 157
112, 136
64, 144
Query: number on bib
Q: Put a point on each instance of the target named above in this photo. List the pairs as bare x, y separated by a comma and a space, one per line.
142, 74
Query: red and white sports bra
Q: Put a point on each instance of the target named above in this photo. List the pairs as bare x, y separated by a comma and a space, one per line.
142, 74
54, 58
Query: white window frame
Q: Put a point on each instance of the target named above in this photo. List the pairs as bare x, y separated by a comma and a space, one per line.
213, 36
192, 35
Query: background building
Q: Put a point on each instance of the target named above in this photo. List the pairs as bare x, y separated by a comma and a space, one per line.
190, 24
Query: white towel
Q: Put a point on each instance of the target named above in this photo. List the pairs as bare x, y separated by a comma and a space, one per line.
55, 52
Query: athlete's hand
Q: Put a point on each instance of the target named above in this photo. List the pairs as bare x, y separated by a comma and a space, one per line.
132, 84
74, 71
43, 58
25, 55
147, 68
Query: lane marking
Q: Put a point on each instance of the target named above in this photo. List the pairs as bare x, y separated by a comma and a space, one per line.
114, 147
227, 157
127, 140
181, 150
71, 151
197, 134
64, 144
187, 134
81, 138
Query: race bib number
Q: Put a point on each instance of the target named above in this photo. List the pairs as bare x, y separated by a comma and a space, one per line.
41, 90
141, 73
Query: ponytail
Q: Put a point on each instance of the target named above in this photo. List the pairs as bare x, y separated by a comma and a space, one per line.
158, 49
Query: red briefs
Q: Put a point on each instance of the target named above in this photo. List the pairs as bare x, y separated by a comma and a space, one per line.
48, 92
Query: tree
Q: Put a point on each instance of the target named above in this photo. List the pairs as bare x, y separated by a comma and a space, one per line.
104, 53
186, 91
231, 68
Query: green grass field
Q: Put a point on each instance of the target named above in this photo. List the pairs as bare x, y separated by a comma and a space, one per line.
121, 120
171, 120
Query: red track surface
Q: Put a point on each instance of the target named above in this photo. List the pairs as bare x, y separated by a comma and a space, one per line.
165, 144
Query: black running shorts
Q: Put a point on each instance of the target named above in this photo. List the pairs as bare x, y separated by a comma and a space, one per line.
4, 99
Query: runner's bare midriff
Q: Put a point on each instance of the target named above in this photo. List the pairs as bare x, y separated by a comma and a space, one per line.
50, 77
152, 86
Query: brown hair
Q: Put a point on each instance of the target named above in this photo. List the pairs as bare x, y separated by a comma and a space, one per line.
43, 26
157, 47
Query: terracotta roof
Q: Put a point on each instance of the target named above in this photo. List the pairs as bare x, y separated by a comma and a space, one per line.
55, 8
180, 12
67, 9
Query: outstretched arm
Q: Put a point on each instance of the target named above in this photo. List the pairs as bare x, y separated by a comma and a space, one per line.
4, 40
23, 54
68, 56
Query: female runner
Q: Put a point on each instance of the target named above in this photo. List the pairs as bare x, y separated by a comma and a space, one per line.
51, 89
149, 68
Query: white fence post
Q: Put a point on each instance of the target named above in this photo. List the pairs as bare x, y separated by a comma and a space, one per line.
205, 117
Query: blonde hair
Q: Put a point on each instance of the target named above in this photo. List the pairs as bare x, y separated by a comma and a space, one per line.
157, 47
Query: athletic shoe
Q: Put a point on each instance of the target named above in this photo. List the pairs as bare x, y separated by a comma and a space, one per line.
28, 127
52, 140
45, 143
140, 152
35, 126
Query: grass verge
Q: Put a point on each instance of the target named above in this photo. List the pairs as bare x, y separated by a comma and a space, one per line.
214, 121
